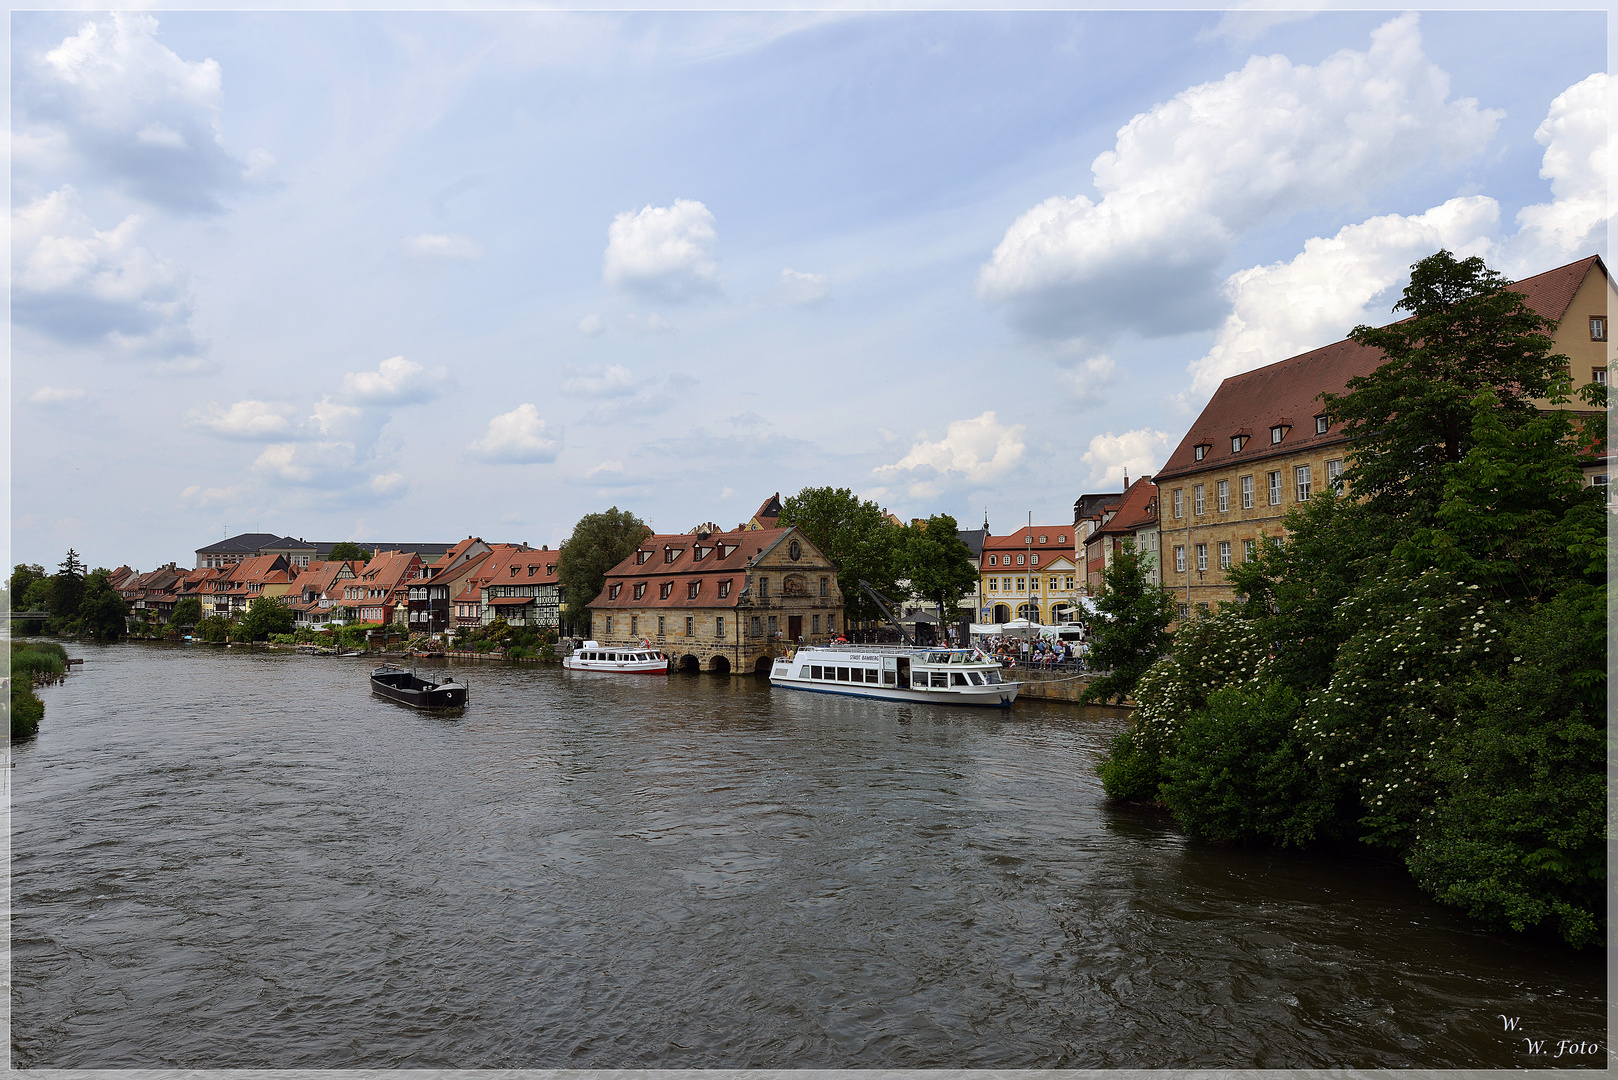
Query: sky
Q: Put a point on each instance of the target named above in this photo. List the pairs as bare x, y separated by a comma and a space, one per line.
415, 276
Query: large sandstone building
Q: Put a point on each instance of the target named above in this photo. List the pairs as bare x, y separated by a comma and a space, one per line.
721, 601
1264, 442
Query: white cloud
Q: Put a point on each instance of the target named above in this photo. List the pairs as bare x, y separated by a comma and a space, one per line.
591, 325
1245, 25
1138, 453
802, 289
1577, 162
1191, 175
1287, 308
606, 468
202, 496
50, 396
388, 484
518, 437
609, 382
441, 246
134, 110
666, 252
1086, 380
251, 421
975, 451
83, 285
396, 381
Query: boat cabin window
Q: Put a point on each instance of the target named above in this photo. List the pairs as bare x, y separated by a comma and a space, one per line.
870, 674
957, 678
940, 679
814, 671
977, 679
993, 676
842, 674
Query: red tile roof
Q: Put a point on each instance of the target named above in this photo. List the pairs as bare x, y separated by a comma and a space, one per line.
1138, 509
1287, 392
679, 559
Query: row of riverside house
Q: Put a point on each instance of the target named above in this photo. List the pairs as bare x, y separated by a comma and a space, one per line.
420, 588
1264, 444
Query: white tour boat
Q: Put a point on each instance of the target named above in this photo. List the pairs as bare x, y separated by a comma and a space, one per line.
897, 673
641, 660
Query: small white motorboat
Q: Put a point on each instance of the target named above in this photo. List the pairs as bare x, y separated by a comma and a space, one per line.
639, 659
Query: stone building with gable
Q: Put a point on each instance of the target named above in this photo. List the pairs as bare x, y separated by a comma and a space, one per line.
720, 601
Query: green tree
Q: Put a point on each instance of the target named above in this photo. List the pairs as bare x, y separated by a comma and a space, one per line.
24, 579
101, 612
937, 563
214, 628
858, 538
598, 543
349, 551
1466, 333
187, 611
67, 589
267, 615
1129, 631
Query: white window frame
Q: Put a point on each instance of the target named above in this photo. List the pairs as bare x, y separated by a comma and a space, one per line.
1301, 474
1179, 558
1275, 488
1222, 496
1247, 493
1202, 556
1224, 554
1199, 500
1179, 502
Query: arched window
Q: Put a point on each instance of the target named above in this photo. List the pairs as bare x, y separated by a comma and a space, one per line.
1028, 611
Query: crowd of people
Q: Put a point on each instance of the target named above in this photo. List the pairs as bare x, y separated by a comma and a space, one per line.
1039, 652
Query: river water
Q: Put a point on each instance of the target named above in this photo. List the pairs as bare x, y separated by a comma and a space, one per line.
222, 858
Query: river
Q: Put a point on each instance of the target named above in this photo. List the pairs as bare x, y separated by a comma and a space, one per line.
232, 858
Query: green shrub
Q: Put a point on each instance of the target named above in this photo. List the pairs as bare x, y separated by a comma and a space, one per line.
29, 666
1239, 772
1131, 772
26, 710
1517, 835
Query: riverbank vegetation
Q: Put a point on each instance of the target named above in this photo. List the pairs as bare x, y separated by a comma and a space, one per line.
1420, 665
32, 663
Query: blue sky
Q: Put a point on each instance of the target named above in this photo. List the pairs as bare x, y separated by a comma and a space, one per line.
417, 276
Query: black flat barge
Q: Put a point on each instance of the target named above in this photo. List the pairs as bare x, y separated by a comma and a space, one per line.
407, 688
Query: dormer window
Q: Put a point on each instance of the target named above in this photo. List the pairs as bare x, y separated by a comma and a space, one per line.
532, 569
1042, 539
663, 593
724, 589
514, 570
1035, 558
641, 556
1061, 538
1199, 451
993, 560
1236, 444
1029, 539
672, 553
1321, 424
612, 593
640, 590
692, 589
1277, 433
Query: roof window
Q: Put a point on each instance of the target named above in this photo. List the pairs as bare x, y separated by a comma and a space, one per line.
1042, 538
1321, 424
1278, 432
1199, 451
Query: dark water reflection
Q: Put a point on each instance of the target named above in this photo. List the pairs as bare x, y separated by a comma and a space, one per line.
223, 858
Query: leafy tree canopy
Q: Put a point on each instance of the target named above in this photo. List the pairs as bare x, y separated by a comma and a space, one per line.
937, 563
348, 551
860, 541
25, 577
187, 611
101, 611
1466, 334
599, 542
267, 615
1130, 628
67, 589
